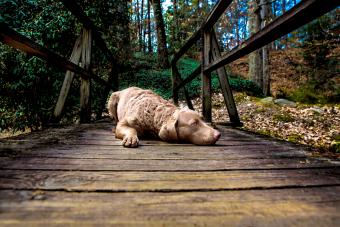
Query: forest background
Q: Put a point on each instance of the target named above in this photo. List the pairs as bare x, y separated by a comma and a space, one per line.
302, 66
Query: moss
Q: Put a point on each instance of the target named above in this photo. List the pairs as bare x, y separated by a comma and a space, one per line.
335, 146
259, 110
283, 118
295, 138
267, 132
240, 97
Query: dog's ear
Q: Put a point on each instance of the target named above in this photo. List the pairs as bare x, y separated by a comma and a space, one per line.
168, 130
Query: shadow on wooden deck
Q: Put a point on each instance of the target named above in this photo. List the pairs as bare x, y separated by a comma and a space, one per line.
81, 175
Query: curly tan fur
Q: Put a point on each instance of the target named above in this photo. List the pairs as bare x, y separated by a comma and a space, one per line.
138, 112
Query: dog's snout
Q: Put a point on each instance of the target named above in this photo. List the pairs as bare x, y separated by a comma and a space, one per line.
217, 135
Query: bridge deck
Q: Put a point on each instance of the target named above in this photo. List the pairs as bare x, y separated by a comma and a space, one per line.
82, 176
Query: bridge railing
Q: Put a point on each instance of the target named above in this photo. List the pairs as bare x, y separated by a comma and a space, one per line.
81, 54
300, 14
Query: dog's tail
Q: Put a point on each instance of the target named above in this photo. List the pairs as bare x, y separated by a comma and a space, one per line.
112, 105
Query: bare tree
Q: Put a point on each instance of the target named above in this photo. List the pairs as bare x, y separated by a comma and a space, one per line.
254, 23
150, 49
161, 38
266, 17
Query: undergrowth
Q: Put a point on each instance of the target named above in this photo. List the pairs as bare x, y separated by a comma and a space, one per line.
146, 75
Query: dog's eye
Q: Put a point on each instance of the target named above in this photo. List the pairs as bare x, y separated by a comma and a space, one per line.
193, 122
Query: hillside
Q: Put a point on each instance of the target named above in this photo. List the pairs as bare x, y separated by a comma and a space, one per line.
314, 125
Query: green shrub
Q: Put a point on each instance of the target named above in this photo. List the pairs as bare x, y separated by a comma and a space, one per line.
160, 80
310, 94
320, 62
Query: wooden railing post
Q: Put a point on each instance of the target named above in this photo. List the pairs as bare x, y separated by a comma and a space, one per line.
224, 82
206, 76
174, 73
176, 79
75, 58
85, 101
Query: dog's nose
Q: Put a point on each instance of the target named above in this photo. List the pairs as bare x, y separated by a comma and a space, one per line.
217, 135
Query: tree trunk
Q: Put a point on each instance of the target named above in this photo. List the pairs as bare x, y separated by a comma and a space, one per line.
161, 38
124, 45
285, 37
139, 26
255, 60
266, 17
237, 17
141, 42
175, 25
150, 49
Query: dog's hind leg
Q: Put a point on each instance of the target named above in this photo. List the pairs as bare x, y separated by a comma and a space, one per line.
112, 105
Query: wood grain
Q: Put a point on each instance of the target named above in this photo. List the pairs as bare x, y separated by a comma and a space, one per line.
166, 181
82, 176
298, 207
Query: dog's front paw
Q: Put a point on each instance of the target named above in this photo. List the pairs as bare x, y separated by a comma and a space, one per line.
130, 141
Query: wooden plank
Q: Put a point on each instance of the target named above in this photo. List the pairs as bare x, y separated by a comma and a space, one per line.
293, 207
164, 181
20, 42
225, 143
159, 153
300, 14
224, 82
75, 58
85, 84
84, 164
206, 77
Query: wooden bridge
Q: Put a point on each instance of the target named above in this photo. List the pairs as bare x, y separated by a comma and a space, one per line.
81, 175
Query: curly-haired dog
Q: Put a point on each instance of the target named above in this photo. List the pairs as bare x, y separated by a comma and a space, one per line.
138, 112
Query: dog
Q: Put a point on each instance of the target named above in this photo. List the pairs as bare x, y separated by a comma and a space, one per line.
139, 112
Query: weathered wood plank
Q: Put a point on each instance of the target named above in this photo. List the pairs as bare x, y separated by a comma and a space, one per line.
222, 142
164, 152
293, 207
158, 165
164, 181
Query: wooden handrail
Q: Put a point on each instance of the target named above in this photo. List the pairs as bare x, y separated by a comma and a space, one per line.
216, 13
297, 16
192, 76
212, 18
76, 10
277, 28
191, 41
20, 42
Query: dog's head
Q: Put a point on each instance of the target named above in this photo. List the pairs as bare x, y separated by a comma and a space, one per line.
187, 126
